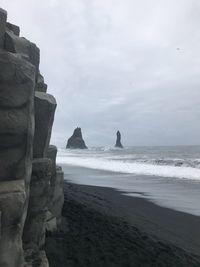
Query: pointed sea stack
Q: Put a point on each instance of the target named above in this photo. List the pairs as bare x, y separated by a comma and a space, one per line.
76, 140
118, 141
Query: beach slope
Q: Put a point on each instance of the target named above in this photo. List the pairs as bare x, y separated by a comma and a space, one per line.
103, 228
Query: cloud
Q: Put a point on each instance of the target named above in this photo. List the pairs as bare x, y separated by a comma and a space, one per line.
128, 65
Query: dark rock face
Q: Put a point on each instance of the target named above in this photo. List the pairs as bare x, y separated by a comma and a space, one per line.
15, 29
17, 78
16, 44
17, 82
45, 106
3, 18
23, 47
40, 86
30, 185
76, 140
51, 154
34, 231
56, 196
118, 141
12, 201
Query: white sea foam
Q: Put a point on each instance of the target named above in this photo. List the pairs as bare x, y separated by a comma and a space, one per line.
131, 167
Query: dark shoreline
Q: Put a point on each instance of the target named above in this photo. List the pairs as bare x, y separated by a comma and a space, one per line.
105, 228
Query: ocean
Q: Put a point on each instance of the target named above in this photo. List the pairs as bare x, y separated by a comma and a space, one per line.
168, 176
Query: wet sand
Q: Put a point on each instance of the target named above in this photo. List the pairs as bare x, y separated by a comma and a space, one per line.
105, 228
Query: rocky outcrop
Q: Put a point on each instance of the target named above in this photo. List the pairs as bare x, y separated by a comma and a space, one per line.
12, 211
30, 184
45, 106
34, 230
17, 82
76, 140
3, 19
118, 141
40, 86
56, 195
24, 48
13, 28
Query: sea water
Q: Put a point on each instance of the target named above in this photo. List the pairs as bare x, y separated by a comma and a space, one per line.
168, 176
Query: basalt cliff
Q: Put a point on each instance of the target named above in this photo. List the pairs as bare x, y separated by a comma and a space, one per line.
31, 185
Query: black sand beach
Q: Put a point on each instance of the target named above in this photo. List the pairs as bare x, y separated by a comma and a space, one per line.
105, 228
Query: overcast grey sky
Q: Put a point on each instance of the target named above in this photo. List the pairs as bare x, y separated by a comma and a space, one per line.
132, 65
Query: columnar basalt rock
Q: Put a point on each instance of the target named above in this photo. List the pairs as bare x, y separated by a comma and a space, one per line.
57, 199
17, 82
51, 154
34, 231
40, 86
29, 188
23, 47
14, 28
3, 19
12, 201
45, 106
56, 193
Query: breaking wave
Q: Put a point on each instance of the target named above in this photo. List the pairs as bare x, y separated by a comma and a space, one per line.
151, 167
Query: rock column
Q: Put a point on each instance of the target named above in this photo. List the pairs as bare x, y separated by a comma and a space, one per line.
31, 187
17, 83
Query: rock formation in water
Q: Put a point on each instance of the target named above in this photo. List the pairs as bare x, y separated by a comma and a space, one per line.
118, 141
31, 186
76, 140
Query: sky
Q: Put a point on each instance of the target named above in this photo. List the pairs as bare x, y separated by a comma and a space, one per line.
125, 65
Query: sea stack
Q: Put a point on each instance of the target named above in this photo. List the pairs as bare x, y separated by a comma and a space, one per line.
76, 140
118, 141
